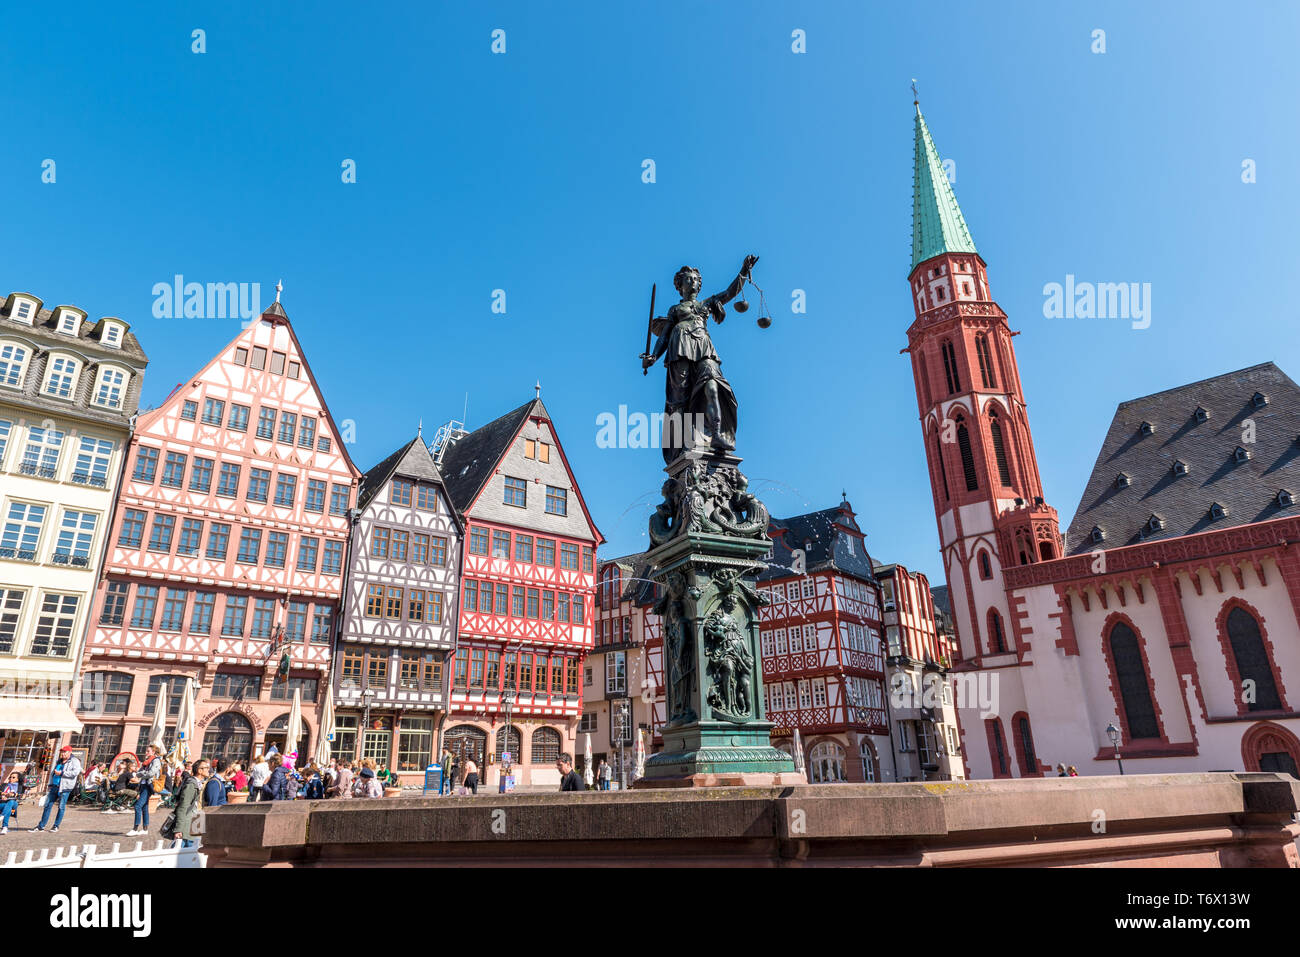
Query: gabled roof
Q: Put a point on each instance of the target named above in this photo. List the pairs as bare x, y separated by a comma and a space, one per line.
825, 543
469, 461
636, 584
937, 223
1159, 501
411, 460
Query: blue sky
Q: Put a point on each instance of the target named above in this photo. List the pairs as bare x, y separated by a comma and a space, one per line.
522, 172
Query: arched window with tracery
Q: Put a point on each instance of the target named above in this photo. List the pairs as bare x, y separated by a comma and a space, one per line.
826, 763
546, 746
1252, 660
869, 772
1133, 683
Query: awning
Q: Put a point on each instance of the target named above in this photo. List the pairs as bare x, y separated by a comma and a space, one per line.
37, 714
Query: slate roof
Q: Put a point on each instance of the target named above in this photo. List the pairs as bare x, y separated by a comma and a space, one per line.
636, 568
824, 545
1247, 490
470, 460
412, 460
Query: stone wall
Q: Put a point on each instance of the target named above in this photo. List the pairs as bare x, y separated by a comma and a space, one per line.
1174, 820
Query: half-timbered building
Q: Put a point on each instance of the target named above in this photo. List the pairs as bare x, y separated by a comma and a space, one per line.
68, 389
819, 635
618, 694
227, 556
527, 583
919, 653
398, 624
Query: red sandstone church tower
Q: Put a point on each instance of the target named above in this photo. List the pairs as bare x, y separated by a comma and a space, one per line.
987, 493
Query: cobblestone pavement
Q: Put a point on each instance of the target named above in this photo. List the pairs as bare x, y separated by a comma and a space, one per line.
80, 826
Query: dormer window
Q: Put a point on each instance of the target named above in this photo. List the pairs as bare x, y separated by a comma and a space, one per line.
13, 363
111, 335
1180, 467
1285, 499
61, 377
1146, 428
24, 310
1097, 535
1201, 414
1217, 510
110, 388
1258, 400
1122, 480
1154, 524
1240, 455
69, 324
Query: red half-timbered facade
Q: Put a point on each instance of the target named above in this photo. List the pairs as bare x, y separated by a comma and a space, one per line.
227, 555
527, 582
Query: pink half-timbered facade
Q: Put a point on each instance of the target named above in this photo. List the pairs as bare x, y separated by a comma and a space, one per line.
527, 585
227, 556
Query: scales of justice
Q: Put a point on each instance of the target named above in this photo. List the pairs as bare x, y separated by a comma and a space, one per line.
709, 540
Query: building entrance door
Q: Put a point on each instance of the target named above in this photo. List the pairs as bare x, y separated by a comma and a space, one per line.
467, 742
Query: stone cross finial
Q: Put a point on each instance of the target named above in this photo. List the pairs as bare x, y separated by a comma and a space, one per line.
279, 286
916, 99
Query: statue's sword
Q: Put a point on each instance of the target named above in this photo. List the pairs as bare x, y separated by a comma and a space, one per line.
645, 370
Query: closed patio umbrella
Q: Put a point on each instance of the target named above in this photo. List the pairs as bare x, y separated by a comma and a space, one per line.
158, 731
638, 771
293, 732
799, 764
586, 762
326, 730
183, 749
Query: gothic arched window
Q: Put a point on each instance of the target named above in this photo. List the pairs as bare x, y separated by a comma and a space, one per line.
999, 449
1134, 686
986, 567
1252, 660
987, 375
938, 463
997, 748
1030, 765
997, 639
950, 367
967, 459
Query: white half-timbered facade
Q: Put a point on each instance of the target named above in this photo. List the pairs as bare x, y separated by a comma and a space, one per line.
399, 625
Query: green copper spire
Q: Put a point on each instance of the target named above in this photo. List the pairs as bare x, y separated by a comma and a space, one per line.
937, 222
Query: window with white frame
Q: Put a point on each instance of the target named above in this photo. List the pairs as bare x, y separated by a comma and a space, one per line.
41, 454
805, 693
819, 692
588, 722
925, 742
6, 426
826, 764
791, 700
24, 310
61, 377
111, 386
91, 465
22, 530
809, 637
782, 643
69, 323
112, 335
868, 761
765, 641
76, 533
13, 363
954, 747
616, 672
904, 736
11, 609
775, 696
54, 625
808, 588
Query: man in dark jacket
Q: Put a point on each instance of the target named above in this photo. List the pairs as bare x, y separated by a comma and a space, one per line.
277, 785
569, 780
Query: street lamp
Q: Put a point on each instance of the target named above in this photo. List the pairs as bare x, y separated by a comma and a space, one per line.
622, 734
1113, 732
507, 702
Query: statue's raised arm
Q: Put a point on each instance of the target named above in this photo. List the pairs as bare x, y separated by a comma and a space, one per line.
718, 300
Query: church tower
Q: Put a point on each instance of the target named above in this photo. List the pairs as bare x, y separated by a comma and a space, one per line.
988, 496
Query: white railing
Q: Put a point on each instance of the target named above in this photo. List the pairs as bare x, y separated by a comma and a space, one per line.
166, 854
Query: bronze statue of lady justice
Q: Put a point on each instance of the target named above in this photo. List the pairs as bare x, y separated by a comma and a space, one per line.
696, 390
